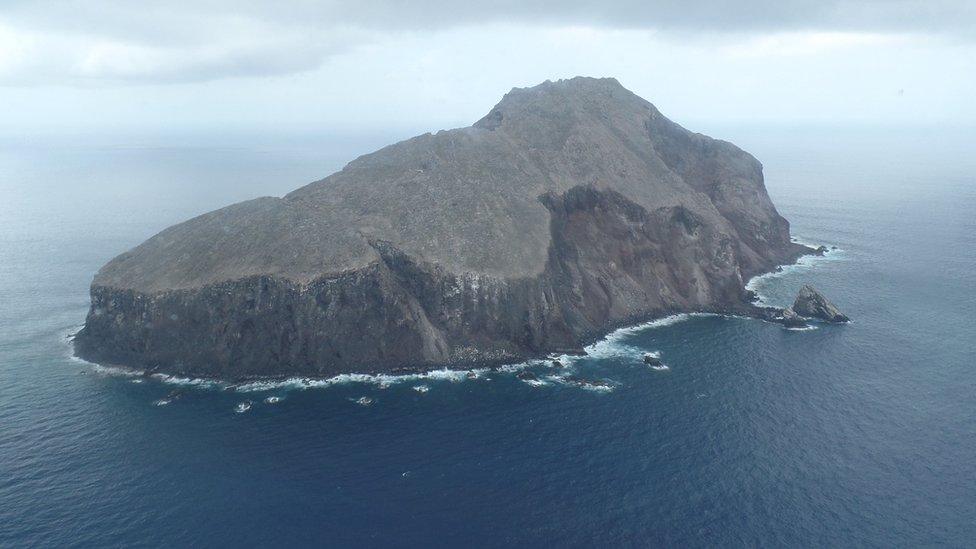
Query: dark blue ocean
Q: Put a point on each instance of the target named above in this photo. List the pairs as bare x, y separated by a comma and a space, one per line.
853, 435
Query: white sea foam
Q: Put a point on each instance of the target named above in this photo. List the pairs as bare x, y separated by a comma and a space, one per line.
598, 387
272, 400
189, 381
381, 381
661, 367
77, 359
113, 371
802, 241
421, 388
516, 367
67, 337
161, 402
611, 346
802, 328
601, 386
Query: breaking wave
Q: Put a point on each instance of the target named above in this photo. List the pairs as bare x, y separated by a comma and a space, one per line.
804, 263
535, 382
381, 381
611, 346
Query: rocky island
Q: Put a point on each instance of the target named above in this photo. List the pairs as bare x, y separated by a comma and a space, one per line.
571, 208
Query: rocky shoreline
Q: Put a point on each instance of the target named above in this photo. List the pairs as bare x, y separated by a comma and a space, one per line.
784, 316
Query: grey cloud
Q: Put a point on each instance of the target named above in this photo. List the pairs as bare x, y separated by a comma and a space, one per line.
703, 15
148, 17
164, 41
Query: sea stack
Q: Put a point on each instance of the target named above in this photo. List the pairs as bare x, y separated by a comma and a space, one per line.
810, 303
571, 208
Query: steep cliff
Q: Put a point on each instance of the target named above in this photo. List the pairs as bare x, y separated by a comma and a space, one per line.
571, 208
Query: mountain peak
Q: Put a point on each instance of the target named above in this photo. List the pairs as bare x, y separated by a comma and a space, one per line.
576, 84
565, 100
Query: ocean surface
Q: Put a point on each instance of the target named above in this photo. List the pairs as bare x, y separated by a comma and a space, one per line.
850, 435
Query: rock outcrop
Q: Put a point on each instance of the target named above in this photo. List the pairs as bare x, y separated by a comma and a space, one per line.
572, 208
652, 360
790, 319
810, 303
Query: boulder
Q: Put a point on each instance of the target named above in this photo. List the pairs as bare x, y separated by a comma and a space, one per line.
651, 360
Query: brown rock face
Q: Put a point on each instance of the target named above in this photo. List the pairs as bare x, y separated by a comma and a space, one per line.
573, 207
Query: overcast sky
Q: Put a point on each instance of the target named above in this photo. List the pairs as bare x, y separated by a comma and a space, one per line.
105, 66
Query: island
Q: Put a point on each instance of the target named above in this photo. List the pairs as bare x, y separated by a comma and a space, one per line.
572, 208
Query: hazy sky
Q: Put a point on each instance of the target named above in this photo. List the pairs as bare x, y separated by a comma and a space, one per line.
102, 65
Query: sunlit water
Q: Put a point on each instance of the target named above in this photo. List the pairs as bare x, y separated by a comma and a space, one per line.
862, 434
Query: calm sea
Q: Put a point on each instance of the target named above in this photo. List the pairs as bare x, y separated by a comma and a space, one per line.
854, 435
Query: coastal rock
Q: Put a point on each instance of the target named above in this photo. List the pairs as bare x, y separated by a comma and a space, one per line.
587, 383
570, 209
652, 360
811, 303
790, 319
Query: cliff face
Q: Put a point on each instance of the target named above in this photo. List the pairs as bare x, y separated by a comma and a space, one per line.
571, 208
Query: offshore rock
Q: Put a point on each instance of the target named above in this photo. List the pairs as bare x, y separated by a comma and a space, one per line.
652, 360
570, 209
790, 319
811, 303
